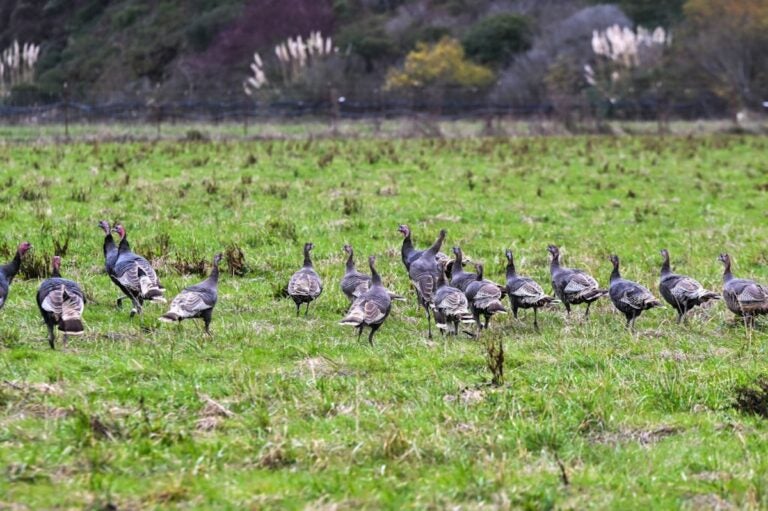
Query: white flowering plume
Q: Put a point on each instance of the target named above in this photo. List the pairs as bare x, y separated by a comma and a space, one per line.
294, 55
17, 65
258, 79
628, 47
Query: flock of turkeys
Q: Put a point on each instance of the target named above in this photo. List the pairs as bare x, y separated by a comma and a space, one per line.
444, 290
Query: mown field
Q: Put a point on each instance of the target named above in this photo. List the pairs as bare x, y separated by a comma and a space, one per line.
589, 416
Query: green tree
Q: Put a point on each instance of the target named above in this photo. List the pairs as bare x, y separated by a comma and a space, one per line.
496, 39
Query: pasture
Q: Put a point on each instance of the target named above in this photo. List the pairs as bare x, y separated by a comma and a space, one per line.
276, 411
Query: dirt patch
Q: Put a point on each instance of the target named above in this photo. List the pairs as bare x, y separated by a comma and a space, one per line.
467, 397
642, 436
39, 388
212, 414
317, 367
708, 502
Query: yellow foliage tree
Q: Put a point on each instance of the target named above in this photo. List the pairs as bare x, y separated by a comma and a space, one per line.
442, 64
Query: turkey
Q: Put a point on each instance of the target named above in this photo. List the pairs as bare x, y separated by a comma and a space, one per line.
61, 303
459, 278
524, 292
135, 276
630, 298
451, 306
371, 308
745, 298
110, 257
573, 286
354, 283
305, 285
424, 273
484, 298
682, 292
196, 301
410, 254
8, 271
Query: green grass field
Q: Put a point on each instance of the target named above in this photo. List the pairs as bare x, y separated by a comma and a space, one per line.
123, 415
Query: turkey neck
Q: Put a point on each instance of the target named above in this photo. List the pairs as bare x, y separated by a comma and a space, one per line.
435, 248
458, 263
407, 245
56, 273
11, 269
350, 262
511, 267
307, 260
441, 281
615, 275
665, 269
375, 278
727, 275
109, 246
555, 263
124, 246
214, 276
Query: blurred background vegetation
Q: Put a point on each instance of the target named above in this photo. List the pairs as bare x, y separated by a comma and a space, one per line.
512, 52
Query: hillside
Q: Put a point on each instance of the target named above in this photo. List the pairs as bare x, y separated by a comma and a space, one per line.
112, 50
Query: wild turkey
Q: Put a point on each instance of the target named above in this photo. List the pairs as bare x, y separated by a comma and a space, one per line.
484, 298
135, 276
110, 257
8, 271
61, 303
524, 292
110, 249
680, 291
371, 308
354, 283
305, 285
573, 286
196, 301
459, 278
745, 298
410, 254
630, 298
424, 273
451, 305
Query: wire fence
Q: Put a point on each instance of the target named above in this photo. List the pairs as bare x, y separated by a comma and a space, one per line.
71, 119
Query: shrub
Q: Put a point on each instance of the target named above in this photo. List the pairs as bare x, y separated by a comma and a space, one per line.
439, 65
496, 39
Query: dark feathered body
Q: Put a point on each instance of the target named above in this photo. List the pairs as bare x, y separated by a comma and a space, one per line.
460, 279
409, 254
9, 271
745, 298
354, 283
197, 301
683, 293
630, 298
424, 273
484, 298
134, 276
573, 286
524, 292
305, 285
371, 308
61, 303
451, 305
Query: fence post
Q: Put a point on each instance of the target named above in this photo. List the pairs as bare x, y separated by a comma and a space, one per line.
66, 111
